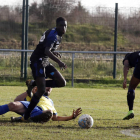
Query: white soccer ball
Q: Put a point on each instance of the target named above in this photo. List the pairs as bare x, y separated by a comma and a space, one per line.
85, 121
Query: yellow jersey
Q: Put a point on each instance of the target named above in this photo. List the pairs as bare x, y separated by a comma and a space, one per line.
45, 103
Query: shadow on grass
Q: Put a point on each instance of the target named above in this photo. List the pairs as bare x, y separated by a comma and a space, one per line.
109, 119
34, 125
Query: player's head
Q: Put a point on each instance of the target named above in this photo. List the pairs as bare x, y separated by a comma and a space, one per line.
61, 25
48, 91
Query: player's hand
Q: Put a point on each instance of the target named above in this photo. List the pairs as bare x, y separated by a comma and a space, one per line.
124, 84
76, 113
57, 54
62, 65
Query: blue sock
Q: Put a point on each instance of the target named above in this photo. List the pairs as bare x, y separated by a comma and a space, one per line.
4, 109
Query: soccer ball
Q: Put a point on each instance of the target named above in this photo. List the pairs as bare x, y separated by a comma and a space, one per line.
85, 121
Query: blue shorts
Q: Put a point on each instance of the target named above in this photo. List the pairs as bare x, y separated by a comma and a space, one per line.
38, 70
36, 111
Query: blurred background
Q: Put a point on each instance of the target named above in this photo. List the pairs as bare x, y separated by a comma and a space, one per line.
89, 29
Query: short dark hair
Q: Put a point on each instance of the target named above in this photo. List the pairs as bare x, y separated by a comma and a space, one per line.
60, 19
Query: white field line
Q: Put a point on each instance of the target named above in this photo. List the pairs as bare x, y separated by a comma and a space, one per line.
130, 132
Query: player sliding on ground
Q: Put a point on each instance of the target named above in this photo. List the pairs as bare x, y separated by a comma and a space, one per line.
131, 60
43, 112
41, 67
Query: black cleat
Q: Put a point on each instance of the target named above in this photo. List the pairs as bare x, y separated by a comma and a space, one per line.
16, 119
30, 86
130, 115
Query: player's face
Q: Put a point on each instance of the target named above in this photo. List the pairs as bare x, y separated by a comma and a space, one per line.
61, 27
48, 91
34, 90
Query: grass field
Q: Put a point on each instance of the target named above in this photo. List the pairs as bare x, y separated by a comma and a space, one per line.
106, 106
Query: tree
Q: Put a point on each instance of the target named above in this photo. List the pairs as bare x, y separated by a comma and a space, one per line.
51, 9
35, 12
79, 14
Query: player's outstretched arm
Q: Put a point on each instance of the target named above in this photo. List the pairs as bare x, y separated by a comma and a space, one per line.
67, 118
21, 97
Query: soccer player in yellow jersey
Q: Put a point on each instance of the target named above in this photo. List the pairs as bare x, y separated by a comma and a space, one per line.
43, 112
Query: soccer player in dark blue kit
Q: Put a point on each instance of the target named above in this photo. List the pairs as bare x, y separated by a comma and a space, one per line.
42, 68
131, 60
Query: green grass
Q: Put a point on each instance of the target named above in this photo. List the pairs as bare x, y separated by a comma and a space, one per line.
106, 106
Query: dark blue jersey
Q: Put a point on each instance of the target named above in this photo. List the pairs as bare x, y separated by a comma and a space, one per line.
50, 39
132, 58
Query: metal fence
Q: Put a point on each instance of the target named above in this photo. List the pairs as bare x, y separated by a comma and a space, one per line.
81, 65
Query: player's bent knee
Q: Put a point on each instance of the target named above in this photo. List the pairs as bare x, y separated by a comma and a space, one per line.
62, 83
131, 94
12, 106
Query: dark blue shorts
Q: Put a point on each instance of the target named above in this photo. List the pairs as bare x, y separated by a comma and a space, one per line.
38, 70
136, 72
36, 111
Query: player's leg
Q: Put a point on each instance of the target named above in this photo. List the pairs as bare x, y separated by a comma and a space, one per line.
57, 80
25, 104
17, 107
4, 109
39, 76
131, 91
36, 116
40, 82
135, 80
13, 106
131, 96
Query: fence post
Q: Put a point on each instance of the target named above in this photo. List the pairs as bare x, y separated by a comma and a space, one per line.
115, 40
72, 78
26, 39
23, 39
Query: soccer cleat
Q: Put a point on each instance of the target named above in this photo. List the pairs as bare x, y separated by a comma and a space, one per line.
30, 86
19, 119
130, 115
16, 119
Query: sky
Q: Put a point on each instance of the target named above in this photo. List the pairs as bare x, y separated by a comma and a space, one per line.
86, 3
111, 3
